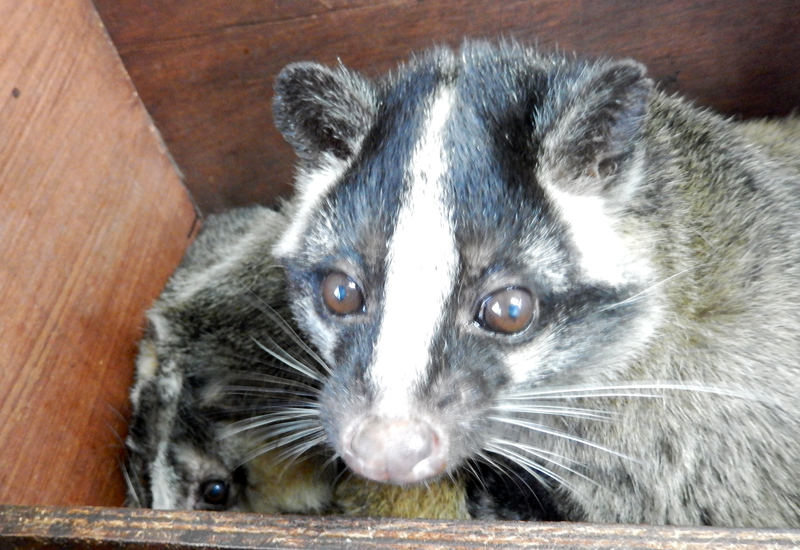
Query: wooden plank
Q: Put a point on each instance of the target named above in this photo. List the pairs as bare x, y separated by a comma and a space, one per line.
161, 20
93, 218
120, 529
206, 73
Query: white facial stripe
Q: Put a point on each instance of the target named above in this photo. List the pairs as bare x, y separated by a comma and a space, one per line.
603, 253
146, 369
309, 189
170, 381
421, 263
163, 481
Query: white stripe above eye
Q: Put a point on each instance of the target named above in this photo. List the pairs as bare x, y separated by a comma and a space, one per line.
310, 187
605, 255
421, 264
602, 251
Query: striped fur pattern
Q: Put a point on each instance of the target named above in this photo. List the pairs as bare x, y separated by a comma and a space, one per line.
218, 373
224, 402
544, 270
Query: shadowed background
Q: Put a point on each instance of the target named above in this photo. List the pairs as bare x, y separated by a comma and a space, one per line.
205, 69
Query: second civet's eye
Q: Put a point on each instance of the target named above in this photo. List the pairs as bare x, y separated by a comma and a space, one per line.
341, 294
214, 494
507, 311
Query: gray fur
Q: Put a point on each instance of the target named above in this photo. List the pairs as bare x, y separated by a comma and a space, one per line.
207, 381
216, 361
676, 366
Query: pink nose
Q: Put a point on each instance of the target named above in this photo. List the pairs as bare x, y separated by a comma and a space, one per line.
394, 450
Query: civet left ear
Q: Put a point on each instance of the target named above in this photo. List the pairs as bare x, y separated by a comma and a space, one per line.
590, 139
321, 110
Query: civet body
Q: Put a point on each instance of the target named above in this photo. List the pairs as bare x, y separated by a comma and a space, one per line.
217, 367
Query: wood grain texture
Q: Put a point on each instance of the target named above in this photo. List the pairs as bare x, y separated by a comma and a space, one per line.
93, 218
206, 72
119, 529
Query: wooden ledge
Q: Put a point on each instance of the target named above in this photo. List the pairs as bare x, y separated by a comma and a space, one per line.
23, 527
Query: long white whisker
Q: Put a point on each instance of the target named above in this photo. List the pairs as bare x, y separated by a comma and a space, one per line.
652, 287
524, 461
256, 390
472, 468
278, 437
530, 466
332, 458
557, 433
296, 451
497, 465
272, 380
129, 483
290, 332
615, 389
568, 412
540, 453
287, 456
290, 362
287, 414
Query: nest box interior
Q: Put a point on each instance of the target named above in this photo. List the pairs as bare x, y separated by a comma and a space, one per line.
120, 119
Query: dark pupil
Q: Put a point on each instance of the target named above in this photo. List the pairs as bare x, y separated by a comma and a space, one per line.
215, 492
340, 292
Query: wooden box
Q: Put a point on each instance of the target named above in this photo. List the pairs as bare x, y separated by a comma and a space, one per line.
94, 214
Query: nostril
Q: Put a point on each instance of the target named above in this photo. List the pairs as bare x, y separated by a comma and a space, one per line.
395, 450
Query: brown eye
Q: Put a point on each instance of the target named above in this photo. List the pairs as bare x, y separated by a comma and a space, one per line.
507, 311
341, 294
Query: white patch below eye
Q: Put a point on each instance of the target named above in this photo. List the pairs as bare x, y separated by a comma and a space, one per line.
421, 263
547, 355
525, 362
323, 337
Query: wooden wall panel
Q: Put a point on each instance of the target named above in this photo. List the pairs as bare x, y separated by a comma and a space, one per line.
93, 218
205, 70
